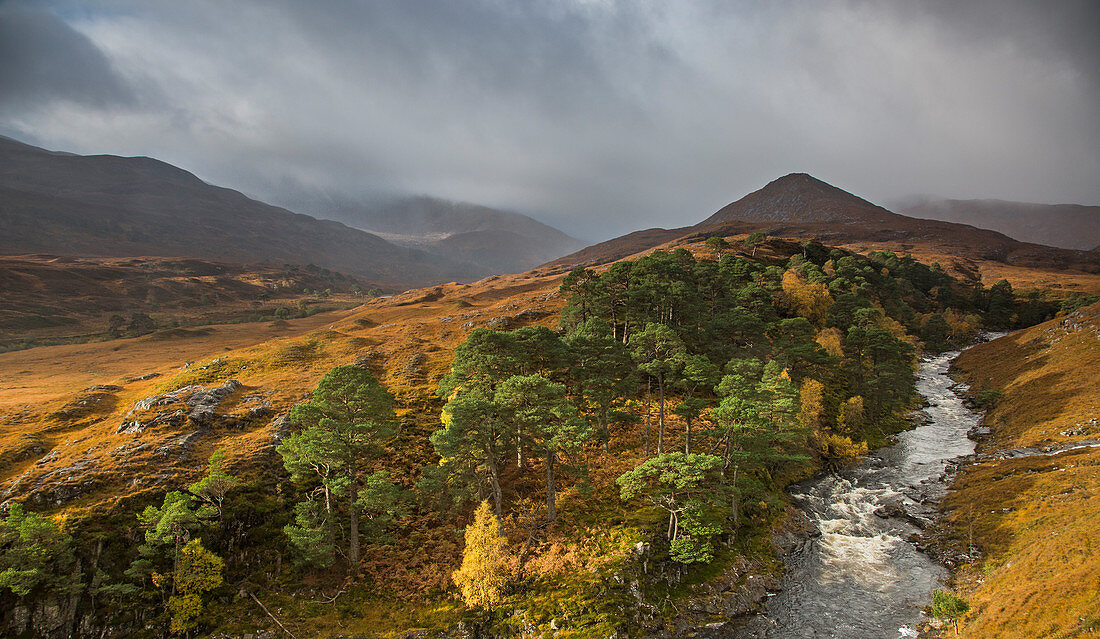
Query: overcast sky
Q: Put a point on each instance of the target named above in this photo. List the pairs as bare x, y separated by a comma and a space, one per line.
596, 116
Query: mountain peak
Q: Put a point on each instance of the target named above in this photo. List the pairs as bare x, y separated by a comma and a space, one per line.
798, 198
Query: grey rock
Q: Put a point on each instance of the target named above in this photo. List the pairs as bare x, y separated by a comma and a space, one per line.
280, 427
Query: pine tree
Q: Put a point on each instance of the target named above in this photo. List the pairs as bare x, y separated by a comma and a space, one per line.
947, 605
215, 485
754, 240
601, 371
540, 413
683, 485
474, 439
483, 575
699, 374
661, 355
717, 245
167, 529
348, 420
35, 555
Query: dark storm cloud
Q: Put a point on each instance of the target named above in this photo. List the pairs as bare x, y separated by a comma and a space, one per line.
599, 117
43, 59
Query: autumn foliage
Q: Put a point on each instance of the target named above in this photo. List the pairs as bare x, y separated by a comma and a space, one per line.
484, 571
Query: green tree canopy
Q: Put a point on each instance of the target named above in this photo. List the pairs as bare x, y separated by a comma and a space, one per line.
601, 370
540, 413
659, 353
683, 485
347, 422
35, 554
214, 486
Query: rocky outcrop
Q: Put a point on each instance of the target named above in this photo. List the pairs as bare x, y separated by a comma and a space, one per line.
201, 404
204, 400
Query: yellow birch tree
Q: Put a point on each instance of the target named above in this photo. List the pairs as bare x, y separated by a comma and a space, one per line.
484, 571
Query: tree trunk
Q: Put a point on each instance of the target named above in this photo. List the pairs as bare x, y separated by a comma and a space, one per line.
330, 525
648, 386
733, 492
661, 415
687, 436
605, 434
494, 482
551, 460
353, 532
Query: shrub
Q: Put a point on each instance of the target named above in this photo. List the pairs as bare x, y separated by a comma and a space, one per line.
946, 605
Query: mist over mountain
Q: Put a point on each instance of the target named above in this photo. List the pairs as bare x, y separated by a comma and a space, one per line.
1071, 226
496, 241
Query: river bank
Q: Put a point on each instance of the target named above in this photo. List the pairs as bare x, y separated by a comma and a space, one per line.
1021, 522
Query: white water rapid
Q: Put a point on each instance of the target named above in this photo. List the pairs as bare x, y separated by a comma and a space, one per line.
861, 579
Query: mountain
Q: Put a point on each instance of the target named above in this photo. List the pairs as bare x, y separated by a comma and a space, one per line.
1070, 226
800, 206
110, 206
799, 198
496, 241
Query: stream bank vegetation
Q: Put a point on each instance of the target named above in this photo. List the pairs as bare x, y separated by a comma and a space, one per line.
591, 478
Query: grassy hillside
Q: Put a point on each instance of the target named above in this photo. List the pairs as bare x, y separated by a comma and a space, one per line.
57, 300
1034, 520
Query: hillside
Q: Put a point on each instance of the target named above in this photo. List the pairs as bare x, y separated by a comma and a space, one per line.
617, 248
1071, 226
496, 241
1024, 516
799, 206
51, 299
109, 206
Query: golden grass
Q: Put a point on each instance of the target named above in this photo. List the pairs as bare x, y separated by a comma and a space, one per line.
1036, 519
279, 361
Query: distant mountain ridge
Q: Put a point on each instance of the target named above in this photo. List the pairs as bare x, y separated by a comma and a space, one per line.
498, 241
799, 205
111, 206
1071, 226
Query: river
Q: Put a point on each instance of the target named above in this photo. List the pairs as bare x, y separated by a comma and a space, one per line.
861, 579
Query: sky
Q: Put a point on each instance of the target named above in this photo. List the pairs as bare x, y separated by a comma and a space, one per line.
595, 116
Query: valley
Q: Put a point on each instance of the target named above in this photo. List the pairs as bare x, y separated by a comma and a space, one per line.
65, 458
549, 320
